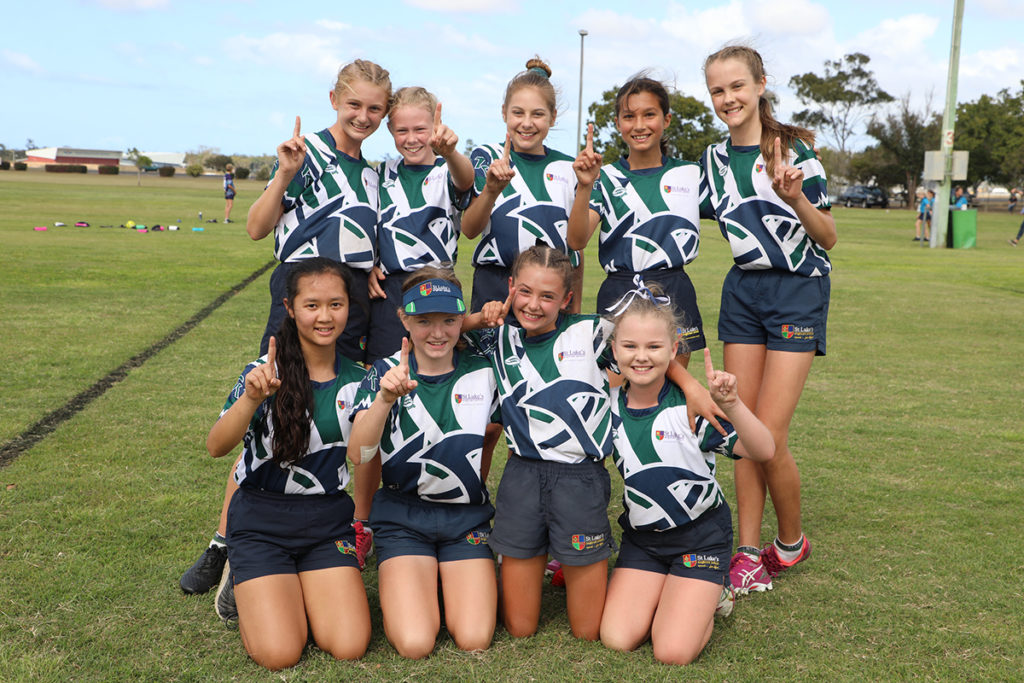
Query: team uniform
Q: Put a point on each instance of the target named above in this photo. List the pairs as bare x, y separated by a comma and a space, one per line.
924, 209
229, 185
777, 291
330, 210
553, 496
533, 209
676, 520
417, 225
295, 518
650, 226
433, 500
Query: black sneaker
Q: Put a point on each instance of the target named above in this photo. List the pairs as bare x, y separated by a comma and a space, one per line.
205, 573
225, 603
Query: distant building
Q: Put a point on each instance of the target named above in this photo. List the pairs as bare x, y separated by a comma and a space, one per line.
71, 155
175, 159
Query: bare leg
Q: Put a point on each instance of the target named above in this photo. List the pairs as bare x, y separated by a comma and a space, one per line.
272, 619
746, 361
470, 602
585, 589
684, 620
633, 597
229, 491
521, 582
338, 612
408, 601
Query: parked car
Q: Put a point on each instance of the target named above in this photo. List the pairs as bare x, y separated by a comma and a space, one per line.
863, 195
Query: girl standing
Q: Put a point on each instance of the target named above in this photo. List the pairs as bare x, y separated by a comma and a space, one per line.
292, 554
524, 190
648, 205
676, 527
426, 412
769, 194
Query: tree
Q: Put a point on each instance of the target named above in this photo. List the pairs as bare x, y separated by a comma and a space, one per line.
905, 136
992, 130
219, 162
838, 101
140, 160
691, 130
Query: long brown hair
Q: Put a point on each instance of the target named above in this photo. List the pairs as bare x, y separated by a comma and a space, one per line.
770, 127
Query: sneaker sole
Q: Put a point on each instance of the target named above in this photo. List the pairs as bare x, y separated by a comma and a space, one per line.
231, 621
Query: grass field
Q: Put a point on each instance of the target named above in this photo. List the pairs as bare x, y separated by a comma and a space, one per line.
910, 437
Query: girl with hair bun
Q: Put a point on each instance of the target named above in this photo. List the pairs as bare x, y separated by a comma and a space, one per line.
771, 201
524, 190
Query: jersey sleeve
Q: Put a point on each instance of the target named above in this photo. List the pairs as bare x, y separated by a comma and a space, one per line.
460, 199
239, 389
369, 387
815, 186
597, 199
603, 329
482, 342
711, 441
707, 209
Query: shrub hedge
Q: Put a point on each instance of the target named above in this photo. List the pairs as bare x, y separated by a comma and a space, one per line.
20, 166
194, 170
5, 165
65, 168
242, 173
165, 171
109, 170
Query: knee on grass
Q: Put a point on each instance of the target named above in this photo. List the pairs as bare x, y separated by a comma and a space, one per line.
277, 656
412, 645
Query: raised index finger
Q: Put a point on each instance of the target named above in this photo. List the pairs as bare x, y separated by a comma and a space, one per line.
590, 137
298, 127
437, 116
403, 361
507, 154
709, 368
508, 302
778, 154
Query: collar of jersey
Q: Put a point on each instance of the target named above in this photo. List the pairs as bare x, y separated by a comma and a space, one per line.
541, 338
624, 164
434, 379
643, 412
334, 147
337, 372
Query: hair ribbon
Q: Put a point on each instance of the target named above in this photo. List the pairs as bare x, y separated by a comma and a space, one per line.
640, 290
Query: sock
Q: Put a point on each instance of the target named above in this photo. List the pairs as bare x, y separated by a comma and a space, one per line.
218, 541
789, 553
365, 523
750, 550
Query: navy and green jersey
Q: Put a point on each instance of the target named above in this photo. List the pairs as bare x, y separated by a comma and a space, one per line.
433, 438
650, 218
763, 231
534, 207
229, 180
330, 207
322, 470
417, 216
667, 470
553, 388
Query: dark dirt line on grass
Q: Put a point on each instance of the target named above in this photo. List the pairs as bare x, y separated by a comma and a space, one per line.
44, 427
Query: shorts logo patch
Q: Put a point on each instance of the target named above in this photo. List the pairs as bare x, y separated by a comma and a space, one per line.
797, 332
587, 541
476, 537
345, 548
694, 561
362, 343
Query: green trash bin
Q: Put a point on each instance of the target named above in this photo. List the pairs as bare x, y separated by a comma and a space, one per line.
964, 228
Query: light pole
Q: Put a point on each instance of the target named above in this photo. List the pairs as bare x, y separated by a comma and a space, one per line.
579, 111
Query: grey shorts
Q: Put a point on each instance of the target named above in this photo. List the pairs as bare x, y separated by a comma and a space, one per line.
551, 507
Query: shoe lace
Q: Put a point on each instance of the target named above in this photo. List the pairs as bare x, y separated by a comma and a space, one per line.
771, 562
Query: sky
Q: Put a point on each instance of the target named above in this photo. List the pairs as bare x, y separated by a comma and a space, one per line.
177, 75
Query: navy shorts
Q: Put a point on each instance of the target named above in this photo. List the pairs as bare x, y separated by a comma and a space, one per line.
229, 194
386, 329
553, 507
698, 550
677, 286
490, 283
407, 525
779, 309
281, 533
352, 342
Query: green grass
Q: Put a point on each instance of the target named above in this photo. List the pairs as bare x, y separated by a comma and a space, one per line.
909, 436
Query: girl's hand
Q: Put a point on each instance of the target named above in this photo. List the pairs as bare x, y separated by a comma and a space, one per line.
291, 152
443, 140
396, 383
493, 312
787, 181
721, 384
373, 281
588, 163
261, 383
500, 172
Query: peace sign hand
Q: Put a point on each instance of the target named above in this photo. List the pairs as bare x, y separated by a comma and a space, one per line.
787, 181
494, 312
588, 163
500, 172
396, 383
291, 152
261, 382
443, 140
721, 384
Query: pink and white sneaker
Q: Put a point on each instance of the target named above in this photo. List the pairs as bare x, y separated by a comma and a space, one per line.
775, 565
747, 574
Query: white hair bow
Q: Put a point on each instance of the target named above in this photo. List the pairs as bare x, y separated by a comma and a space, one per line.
641, 290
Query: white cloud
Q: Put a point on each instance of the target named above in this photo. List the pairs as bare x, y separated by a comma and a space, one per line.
298, 51
22, 62
464, 5
332, 25
133, 4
